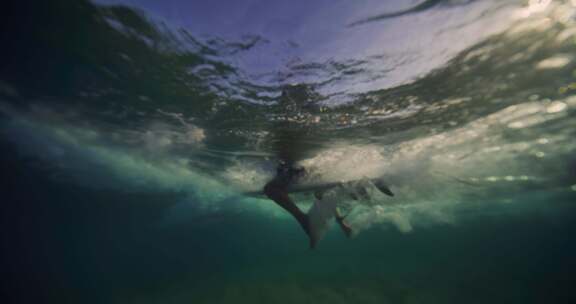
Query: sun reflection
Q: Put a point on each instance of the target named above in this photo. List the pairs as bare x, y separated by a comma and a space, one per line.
555, 62
555, 107
535, 6
571, 101
516, 125
508, 178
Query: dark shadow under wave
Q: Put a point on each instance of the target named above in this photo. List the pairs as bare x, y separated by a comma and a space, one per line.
425, 5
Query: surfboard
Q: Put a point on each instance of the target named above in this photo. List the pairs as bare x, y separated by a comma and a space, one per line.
313, 187
323, 210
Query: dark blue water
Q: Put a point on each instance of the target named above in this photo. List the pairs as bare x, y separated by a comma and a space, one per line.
72, 245
130, 132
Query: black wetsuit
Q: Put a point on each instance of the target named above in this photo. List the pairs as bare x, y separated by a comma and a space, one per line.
291, 143
288, 173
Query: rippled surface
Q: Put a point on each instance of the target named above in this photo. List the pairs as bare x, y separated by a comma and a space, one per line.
465, 107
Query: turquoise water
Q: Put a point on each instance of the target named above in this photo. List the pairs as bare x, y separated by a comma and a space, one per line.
131, 131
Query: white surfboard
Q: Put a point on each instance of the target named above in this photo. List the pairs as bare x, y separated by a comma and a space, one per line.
314, 187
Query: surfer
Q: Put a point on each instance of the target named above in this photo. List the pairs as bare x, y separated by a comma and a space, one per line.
292, 143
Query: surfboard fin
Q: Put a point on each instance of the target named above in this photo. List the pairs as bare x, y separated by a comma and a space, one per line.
383, 188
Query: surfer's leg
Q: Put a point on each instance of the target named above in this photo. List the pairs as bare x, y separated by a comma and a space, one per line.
278, 193
343, 225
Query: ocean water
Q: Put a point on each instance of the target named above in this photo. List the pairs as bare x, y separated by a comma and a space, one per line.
132, 133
